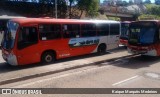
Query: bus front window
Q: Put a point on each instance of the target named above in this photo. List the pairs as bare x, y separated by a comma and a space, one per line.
9, 35
142, 34
147, 35
124, 31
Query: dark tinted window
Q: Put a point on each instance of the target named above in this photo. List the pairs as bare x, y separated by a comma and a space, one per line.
71, 30
88, 30
3, 25
114, 29
102, 29
27, 36
143, 24
159, 34
50, 31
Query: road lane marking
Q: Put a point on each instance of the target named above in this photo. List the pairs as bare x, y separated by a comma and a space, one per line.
59, 76
41, 74
123, 81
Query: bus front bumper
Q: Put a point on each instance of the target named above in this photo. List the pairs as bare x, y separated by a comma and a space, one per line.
123, 42
152, 52
10, 59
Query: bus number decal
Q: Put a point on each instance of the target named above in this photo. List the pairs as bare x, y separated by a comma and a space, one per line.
135, 30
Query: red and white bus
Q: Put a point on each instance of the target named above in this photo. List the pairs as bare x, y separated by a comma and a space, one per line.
144, 38
124, 33
33, 40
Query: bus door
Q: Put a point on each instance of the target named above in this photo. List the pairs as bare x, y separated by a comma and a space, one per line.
114, 35
27, 45
158, 50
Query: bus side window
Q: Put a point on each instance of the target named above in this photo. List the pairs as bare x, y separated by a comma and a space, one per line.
88, 30
71, 30
50, 31
27, 37
102, 29
114, 29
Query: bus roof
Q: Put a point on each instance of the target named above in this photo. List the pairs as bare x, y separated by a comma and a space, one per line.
126, 21
53, 20
148, 21
157, 21
5, 17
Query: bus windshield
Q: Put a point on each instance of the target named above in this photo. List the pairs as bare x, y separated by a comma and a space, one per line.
9, 35
124, 30
142, 34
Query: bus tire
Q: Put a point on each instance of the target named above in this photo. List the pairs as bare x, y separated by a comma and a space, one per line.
101, 49
48, 57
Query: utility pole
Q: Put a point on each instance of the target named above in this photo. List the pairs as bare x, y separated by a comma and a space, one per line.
56, 9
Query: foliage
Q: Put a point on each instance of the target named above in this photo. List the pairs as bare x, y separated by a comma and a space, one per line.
147, 1
114, 18
148, 17
153, 12
90, 6
153, 9
130, 2
70, 7
33, 9
66, 8
151, 5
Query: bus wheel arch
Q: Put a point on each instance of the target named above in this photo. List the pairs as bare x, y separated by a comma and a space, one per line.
48, 56
101, 48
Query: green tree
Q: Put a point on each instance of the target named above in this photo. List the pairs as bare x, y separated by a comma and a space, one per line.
89, 6
147, 1
93, 8
124, 3
62, 8
130, 2
71, 2
48, 6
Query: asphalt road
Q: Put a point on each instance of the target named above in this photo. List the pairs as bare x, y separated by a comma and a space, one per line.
115, 69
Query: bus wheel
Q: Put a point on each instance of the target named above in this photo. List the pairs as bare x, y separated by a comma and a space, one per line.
101, 49
48, 57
